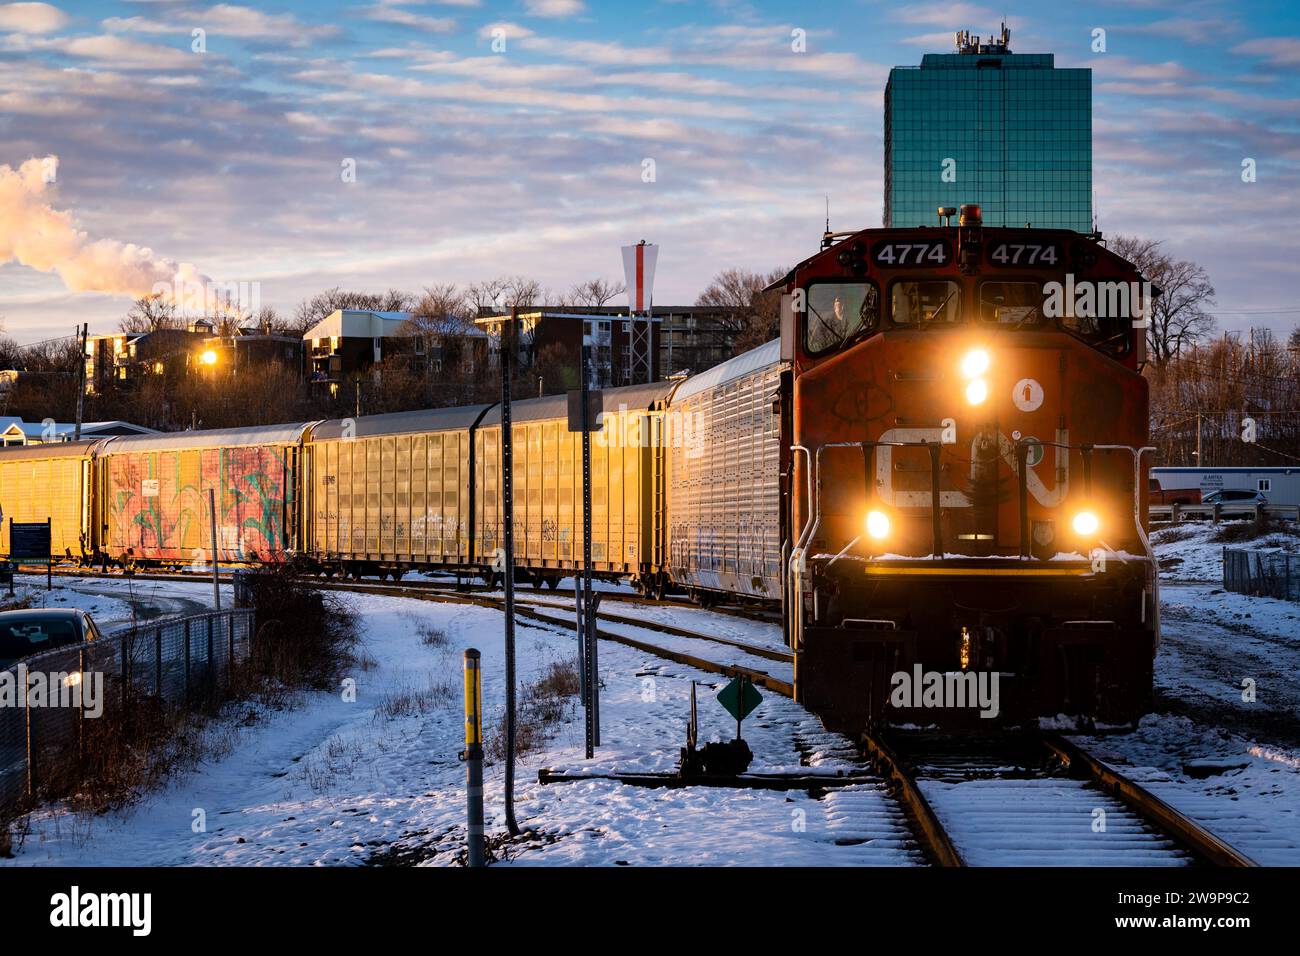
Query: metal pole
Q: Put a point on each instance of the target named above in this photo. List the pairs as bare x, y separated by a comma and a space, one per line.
508, 547
591, 700
81, 382
473, 755
49, 561
216, 570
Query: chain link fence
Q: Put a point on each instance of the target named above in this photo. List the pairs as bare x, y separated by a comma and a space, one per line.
53, 705
1262, 573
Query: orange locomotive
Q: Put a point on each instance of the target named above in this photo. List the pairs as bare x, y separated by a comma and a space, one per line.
968, 475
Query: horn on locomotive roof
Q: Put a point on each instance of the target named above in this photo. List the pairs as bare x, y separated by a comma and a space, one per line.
945, 215
970, 215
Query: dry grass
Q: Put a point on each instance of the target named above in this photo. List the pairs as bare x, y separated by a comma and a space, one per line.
431, 636
411, 701
542, 707
1172, 535
16, 603
1234, 532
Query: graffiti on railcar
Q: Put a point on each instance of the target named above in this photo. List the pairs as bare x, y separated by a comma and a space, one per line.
158, 503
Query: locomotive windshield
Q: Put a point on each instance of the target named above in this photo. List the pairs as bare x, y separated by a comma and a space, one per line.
926, 302
1012, 304
840, 311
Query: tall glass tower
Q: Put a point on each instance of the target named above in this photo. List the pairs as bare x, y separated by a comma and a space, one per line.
984, 125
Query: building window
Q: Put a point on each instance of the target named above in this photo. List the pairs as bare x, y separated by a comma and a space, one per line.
1265, 484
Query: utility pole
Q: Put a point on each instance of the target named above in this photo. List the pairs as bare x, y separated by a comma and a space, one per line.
1198, 439
508, 552
81, 381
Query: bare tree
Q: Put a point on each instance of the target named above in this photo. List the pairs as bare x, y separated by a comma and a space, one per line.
150, 313
748, 315
1179, 316
595, 293
439, 306
505, 292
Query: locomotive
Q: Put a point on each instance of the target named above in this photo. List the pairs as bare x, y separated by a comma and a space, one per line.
968, 477
938, 473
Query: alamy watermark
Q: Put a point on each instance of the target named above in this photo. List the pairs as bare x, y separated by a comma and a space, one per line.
21, 688
1086, 299
946, 689
202, 299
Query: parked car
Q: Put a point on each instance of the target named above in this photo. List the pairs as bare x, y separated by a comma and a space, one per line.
1235, 496
28, 632
1158, 495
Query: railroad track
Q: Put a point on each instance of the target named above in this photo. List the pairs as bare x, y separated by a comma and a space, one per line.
1034, 799
748, 612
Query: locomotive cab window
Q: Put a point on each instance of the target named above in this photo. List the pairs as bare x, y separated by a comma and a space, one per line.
839, 312
1013, 304
925, 303
1111, 334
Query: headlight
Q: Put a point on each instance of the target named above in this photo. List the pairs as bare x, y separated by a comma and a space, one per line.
977, 391
975, 363
1086, 524
878, 524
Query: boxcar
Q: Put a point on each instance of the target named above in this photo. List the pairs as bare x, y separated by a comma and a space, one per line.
155, 494
390, 492
724, 494
626, 485
51, 481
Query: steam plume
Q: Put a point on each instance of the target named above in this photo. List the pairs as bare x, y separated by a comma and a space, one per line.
35, 234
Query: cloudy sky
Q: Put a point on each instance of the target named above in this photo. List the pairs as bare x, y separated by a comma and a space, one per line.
226, 150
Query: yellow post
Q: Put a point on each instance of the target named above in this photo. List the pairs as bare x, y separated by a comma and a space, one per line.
473, 754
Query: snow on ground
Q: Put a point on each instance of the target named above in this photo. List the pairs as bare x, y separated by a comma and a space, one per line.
107, 611
1245, 792
1227, 757
333, 782
1193, 550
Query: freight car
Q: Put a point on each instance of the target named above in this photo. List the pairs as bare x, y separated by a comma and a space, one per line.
51, 481
627, 486
152, 495
388, 493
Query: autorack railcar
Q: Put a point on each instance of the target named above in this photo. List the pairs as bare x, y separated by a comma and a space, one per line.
391, 493
154, 494
627, 486
51, 481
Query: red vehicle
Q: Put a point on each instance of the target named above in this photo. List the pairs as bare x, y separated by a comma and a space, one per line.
967, 477
1171, 496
